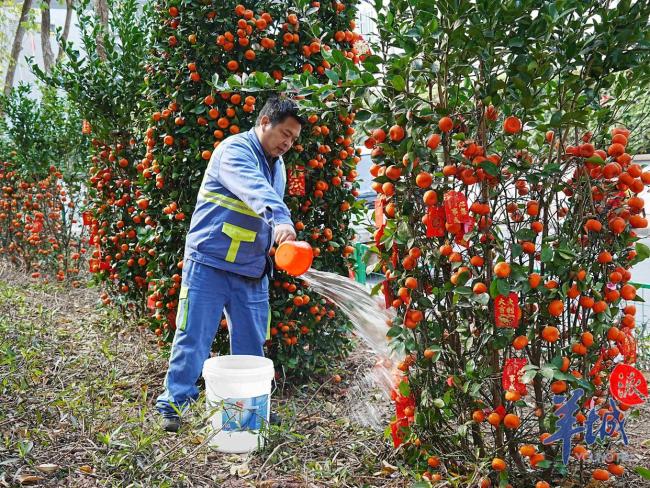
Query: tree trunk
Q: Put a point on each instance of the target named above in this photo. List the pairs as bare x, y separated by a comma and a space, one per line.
66, 27
101, 11
46, 45
16, 47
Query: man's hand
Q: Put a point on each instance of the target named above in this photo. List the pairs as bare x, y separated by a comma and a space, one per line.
284, 232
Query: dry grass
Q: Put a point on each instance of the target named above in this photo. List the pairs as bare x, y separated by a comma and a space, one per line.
77, 388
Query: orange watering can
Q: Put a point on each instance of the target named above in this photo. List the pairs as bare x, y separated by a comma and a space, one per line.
294, 257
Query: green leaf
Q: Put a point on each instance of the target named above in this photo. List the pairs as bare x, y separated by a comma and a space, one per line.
547, 254
394, 331
642, 252
470, 366
439, 402
503, 287
363, 115
643, 472
504, 479
332, 75
463, 290
404, 389
490, 168
556, 119
559, 375
482, 299
494, 291
338, 57
547, 372
501, 341
557, 361
264, 79
525, 234
374, 59
528, 376
398, 82
595, 160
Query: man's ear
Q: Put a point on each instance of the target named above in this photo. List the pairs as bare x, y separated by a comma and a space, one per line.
265, 120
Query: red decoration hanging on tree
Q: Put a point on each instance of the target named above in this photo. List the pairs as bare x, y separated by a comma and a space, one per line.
388, 295
436, 221
456, 209
506, 311
512, 372
404, 414
627, 346
469, 225
296, 181
394, 257
628, 385
378, 235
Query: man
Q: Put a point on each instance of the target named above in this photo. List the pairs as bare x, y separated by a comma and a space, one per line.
239, 212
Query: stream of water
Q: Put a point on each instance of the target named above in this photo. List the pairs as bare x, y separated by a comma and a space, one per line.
370, 319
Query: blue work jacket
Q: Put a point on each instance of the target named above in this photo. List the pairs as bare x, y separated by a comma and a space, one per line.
239, 203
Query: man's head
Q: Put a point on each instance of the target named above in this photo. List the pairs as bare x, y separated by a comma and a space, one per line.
278, 125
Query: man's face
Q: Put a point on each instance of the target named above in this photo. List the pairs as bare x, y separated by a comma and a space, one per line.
278, 139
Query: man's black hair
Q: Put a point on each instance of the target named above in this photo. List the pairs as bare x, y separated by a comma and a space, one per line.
278, 108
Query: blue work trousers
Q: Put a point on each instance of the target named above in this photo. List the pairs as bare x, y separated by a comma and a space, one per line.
205, 293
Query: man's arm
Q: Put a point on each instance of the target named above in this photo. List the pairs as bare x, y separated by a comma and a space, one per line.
237, 170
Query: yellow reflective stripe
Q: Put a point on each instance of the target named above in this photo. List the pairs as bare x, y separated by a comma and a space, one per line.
183, 293
229, 203
183, 304
237, 234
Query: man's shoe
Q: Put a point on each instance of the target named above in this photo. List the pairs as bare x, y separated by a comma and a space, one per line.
171, 424
274, 419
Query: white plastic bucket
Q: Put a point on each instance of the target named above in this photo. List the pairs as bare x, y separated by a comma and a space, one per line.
238, 393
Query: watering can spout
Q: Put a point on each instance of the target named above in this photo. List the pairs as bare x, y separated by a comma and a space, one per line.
294, 257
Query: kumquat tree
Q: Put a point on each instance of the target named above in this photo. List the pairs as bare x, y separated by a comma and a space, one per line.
197, 48
104, 75
508, 209
41, 158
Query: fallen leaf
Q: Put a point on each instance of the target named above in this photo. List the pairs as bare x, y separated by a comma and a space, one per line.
28, 479
86, 469
47, 468
197, 439
268, 484
240, 470
387, 468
